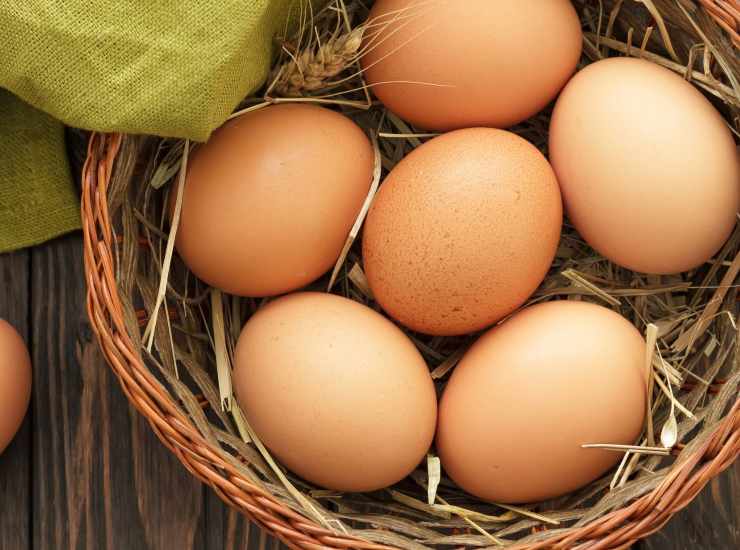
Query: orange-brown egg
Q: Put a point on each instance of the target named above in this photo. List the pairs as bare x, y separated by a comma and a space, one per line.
447, 64
532, 391
648, 168
15, 382
270, 199
335, 390
462, 231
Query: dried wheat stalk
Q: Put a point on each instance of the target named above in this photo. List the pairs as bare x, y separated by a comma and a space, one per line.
314, 67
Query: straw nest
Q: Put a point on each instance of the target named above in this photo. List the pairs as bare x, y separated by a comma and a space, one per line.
185, 332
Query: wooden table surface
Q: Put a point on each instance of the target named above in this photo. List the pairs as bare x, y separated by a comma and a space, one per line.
86, 472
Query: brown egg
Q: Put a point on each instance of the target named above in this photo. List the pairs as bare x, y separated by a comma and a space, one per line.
446, 64
15, 382
270, 199
648, 168
462, 231
531, 391
336, 391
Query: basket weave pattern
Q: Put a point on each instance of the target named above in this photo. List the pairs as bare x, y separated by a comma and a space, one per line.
705, 456
727, 15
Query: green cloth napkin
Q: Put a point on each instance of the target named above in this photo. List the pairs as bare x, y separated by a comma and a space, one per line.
164, 67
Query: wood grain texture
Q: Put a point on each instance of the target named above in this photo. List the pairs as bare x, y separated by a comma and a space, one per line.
100, 477
15, 470
229, 530
711, 522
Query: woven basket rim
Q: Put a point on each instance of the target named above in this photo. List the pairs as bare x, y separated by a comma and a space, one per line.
622, 526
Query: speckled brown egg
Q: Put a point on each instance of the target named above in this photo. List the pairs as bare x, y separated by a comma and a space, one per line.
15, 382
335, 391
649, 170
462, 231
531, 391
447, 64
270, 199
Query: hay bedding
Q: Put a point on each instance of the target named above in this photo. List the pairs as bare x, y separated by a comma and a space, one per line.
690, 320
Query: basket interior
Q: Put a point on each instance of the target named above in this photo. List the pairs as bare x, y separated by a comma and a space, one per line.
697, 348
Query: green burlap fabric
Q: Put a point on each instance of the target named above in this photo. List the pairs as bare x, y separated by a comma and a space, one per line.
37, 198
165, 67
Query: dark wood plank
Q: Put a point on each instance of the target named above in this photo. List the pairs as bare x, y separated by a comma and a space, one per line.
170, 498
711, 522
100, 477
227, 529
15, 469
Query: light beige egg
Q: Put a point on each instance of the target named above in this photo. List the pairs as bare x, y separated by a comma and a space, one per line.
336, 391
648, 168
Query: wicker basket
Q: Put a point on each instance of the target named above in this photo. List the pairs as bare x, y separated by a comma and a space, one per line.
185, 413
